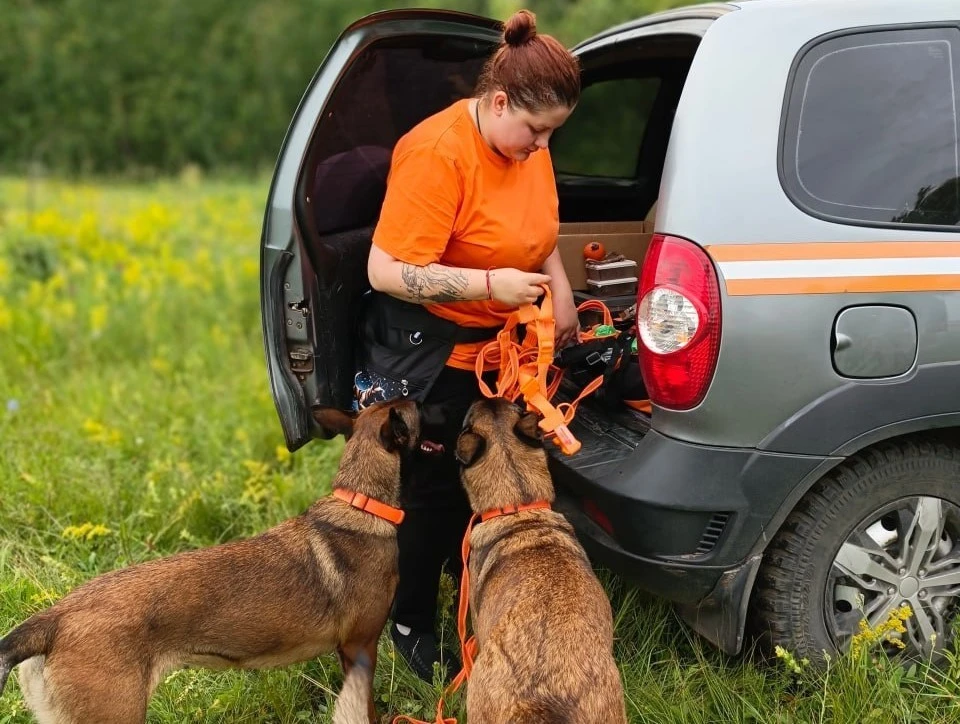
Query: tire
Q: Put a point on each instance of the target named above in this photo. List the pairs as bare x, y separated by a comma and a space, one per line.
883, 501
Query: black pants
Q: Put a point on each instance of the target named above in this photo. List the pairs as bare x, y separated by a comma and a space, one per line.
436, 506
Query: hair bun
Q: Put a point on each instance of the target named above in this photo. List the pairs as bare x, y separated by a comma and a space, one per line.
520, 29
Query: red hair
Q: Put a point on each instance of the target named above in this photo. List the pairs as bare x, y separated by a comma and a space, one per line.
535, 71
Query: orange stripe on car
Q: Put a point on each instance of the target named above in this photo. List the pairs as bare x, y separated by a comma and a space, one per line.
838, 267
844, 285
834, 250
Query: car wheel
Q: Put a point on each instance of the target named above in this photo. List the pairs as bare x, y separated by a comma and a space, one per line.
879, 531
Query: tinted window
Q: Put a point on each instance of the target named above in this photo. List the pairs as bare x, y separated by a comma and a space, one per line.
602, 137
872, 128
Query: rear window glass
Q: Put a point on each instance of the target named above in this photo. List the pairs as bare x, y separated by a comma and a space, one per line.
872, 132
602, 136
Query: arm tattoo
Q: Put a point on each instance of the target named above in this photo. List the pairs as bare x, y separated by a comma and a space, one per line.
434, 283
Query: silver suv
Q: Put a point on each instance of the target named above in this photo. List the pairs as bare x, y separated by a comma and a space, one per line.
798, 306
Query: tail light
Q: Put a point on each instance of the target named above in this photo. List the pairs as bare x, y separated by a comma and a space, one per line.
597, 515
678, 322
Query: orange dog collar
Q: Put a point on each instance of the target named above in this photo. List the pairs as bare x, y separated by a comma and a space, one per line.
511, 509
370, 505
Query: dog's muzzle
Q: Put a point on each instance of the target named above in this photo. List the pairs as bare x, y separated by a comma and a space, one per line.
429, 447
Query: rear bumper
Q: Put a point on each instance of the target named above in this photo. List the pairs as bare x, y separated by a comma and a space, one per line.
719, 615
686, 522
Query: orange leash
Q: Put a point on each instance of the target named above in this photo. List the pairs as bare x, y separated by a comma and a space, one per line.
597, 306
527, 370
468, 645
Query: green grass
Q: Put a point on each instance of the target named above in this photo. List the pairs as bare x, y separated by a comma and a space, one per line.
136, 421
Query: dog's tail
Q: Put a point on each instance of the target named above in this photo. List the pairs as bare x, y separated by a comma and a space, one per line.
351, 705
34, 637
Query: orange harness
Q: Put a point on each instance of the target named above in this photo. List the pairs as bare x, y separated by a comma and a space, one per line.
468, 645
527, 369
370, 505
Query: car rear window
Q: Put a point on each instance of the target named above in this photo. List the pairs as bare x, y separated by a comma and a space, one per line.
871, 132
603, 135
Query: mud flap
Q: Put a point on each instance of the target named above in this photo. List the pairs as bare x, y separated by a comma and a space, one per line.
721, 617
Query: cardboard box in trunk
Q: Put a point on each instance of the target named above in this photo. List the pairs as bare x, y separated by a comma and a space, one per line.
630, 238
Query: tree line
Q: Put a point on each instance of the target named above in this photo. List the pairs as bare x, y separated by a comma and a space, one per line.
103, 87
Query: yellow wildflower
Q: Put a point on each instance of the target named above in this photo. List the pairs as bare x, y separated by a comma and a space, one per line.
6, 315
254, 488
888, 631
254, 491
178, 271
49, 222
56, 282
65, 310
160, 366
77, 266
283, 454
256, 469
98, 432
44, 598
187, 503
218, 336
133, 273
98, 318
86, 230
36, 294
790, 661
148, 224
87, 531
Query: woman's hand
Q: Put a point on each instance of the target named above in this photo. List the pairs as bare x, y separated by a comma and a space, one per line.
567, 320
514, 287
564, 308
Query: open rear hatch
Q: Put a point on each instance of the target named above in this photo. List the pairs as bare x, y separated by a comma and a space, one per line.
384, 74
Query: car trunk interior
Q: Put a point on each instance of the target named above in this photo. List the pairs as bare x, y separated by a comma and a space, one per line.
608, 160
609, 156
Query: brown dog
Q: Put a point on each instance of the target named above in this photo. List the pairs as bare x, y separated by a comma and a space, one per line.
543, 622
320, 582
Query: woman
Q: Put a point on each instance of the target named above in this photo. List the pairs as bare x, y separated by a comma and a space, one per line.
468, 230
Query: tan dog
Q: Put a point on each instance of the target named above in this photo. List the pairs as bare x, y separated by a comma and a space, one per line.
323, 581
543, 622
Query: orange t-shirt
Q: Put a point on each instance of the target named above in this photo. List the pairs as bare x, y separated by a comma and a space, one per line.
452, 199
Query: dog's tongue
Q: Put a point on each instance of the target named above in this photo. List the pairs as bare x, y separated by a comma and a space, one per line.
430, 447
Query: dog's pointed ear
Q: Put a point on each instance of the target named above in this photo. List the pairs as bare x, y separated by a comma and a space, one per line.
528, 430
335, 420
470, 446
394, 433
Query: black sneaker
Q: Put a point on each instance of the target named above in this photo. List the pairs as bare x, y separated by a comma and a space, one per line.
419, 649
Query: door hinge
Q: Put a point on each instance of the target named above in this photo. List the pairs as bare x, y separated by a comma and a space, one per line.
301, 360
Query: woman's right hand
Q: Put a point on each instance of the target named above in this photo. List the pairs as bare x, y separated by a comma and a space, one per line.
514, 287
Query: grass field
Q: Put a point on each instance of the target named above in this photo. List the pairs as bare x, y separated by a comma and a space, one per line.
136, 421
